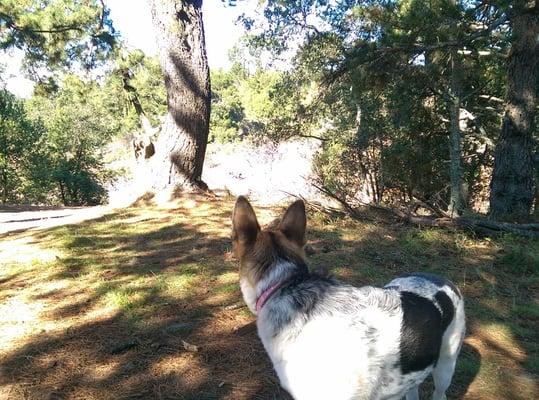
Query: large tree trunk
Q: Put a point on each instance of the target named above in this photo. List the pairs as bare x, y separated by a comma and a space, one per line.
512, 185
181, 147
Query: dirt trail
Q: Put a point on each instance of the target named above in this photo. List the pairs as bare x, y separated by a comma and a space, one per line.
16, 219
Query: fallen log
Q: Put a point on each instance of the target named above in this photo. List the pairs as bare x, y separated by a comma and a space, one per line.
481, 226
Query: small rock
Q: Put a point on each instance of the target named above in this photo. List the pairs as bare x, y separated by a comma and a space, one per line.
234, 306
189, 347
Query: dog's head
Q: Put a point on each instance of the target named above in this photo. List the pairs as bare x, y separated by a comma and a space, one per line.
259, 251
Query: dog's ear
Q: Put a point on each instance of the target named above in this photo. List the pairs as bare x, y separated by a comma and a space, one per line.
294, 222
245, 226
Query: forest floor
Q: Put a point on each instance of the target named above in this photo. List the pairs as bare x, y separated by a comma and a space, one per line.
144, 303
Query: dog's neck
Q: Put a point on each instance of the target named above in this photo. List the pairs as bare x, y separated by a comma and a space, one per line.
266, 294
279, 273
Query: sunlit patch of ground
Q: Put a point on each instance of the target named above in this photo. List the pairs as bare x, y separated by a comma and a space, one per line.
145, 303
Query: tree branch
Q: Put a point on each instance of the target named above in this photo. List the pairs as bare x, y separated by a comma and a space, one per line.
380, 53
10, 23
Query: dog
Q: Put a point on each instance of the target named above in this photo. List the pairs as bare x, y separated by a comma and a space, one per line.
332, 341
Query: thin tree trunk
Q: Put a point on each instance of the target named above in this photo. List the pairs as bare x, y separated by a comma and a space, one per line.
134, 99
456, 202
5, 186
142, 144
512, 184
62, 193
181, 147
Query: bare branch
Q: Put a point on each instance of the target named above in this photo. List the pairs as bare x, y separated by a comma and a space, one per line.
492, 98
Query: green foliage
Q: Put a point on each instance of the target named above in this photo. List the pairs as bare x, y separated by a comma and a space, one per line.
59, 161
373, 81
53, 146
57, 33
257, 93
21, 160
135, 77
245, 104
78, 125
227, 112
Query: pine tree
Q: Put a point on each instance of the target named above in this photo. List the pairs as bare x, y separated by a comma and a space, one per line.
181, 147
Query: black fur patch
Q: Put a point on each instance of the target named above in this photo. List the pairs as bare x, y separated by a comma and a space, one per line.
304, 291
421, 332
437, 280
448, 309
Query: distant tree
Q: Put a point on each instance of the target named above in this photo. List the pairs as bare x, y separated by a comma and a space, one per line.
397, 85
512, 185
135, 92
256, 104
20, 141
181, 147
228, 114
78, 126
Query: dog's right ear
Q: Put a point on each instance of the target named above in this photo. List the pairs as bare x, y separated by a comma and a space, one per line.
245, 226
294, 222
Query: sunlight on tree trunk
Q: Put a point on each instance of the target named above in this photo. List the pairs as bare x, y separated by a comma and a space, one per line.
456, 203
181, 147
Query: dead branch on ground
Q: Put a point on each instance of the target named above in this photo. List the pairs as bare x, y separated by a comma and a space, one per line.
481, 226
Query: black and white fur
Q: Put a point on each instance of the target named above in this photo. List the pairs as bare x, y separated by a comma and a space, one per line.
330, 340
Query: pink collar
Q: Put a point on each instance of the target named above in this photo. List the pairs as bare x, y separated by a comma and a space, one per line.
266, 294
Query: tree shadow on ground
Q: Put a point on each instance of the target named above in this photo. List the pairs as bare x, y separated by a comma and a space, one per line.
499, 358
143, 303
167, 333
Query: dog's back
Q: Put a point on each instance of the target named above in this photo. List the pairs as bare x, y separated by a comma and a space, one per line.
330, 340
327, 339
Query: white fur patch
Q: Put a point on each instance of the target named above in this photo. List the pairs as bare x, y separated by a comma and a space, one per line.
278, 273
343, 354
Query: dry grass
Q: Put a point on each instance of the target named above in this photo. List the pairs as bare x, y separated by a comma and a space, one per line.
102, 309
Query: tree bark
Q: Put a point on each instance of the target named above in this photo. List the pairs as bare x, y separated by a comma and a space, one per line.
62, 193
142, 143
4, 186
181, 147
512, 184
456, 202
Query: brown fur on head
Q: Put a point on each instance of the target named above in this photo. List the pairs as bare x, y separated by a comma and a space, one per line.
258, 249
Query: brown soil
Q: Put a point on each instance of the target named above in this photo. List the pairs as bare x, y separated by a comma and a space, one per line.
143, 303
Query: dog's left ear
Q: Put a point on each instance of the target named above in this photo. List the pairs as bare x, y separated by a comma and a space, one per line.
294, 222
245, 226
